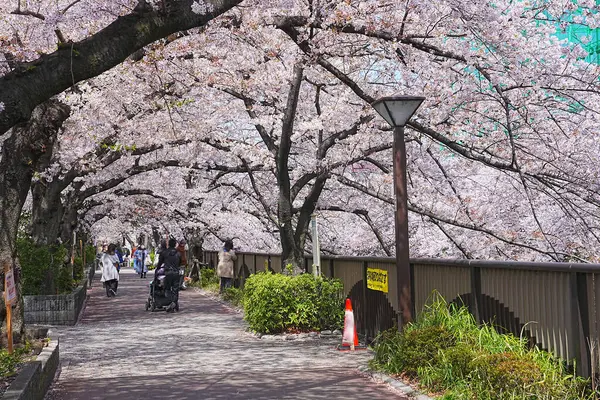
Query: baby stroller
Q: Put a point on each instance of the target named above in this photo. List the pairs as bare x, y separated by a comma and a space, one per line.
159, 298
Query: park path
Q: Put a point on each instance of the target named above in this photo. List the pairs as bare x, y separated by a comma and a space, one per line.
119, 351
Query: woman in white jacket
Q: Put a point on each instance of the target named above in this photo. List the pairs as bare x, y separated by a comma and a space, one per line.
110, 274
225, 267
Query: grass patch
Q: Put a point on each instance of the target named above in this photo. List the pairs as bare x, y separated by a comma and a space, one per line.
209, 281
9, 363
234, 296
447, 352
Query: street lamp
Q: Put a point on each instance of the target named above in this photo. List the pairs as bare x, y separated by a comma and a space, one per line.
397, 110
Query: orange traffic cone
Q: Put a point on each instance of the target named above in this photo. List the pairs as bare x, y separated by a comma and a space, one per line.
350, 336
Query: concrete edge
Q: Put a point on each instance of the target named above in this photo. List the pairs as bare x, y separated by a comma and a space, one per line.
83, 306
36, 376
394, 383
52, 350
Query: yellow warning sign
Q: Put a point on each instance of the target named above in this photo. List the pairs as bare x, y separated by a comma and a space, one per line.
377, 279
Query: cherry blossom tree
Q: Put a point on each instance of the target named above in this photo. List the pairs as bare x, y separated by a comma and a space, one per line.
496, 99
272, 103
83, 52
496, 152
22, 153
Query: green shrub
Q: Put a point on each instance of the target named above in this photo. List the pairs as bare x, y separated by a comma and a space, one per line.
43, 268
405, 352
208, 277
459, 358
233, 295
209, 281
9, 362
421, 346
78, 271
278, 303
507, 372
90, 254
64, 280
447, 351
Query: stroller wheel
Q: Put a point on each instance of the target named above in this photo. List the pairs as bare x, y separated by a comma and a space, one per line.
152, 307
147, 306
177, 306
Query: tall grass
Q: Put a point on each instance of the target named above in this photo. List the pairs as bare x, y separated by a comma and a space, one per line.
448, 352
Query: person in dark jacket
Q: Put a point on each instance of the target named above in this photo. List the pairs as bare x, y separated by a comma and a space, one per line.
161, 249
170, 259
119, 254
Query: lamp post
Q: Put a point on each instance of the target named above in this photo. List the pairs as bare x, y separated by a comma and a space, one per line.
397, 110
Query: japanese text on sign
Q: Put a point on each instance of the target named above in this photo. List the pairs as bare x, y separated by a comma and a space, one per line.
377, 279
11, 290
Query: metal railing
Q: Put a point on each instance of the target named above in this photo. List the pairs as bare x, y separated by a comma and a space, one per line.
554, 305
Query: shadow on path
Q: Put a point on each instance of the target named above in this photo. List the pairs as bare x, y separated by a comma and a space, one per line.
120, 351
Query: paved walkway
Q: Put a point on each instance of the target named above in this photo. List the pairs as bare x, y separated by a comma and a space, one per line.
119, 351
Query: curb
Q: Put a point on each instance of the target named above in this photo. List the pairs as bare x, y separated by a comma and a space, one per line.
36, 376
394, 383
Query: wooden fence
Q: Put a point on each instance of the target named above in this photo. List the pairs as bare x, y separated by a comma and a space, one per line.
554, 305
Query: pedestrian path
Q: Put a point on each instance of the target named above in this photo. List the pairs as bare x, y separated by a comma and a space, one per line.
120, 351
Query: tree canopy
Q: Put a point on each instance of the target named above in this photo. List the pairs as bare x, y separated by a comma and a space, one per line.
230, 119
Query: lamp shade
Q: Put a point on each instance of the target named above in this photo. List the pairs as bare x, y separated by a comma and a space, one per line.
397, 110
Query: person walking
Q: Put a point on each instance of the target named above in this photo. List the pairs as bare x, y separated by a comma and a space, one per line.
140, 261
126, 253
119, 254
170, 261
110, 274
183, 255
225, 267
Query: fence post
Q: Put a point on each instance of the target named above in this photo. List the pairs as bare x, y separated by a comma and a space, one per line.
240, 279
580, 322
476, 292
255, 263
411, 268
331, 269
364, 304
306, 265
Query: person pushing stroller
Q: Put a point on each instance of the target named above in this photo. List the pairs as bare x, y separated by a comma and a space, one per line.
170, 259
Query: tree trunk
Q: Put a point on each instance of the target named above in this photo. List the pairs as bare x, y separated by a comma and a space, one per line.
47, 212
294, 256
67, 229
292, 251
293, 231
196, 245
21, 154
156, 236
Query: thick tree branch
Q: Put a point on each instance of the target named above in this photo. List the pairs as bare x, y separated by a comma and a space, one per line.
32, 83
